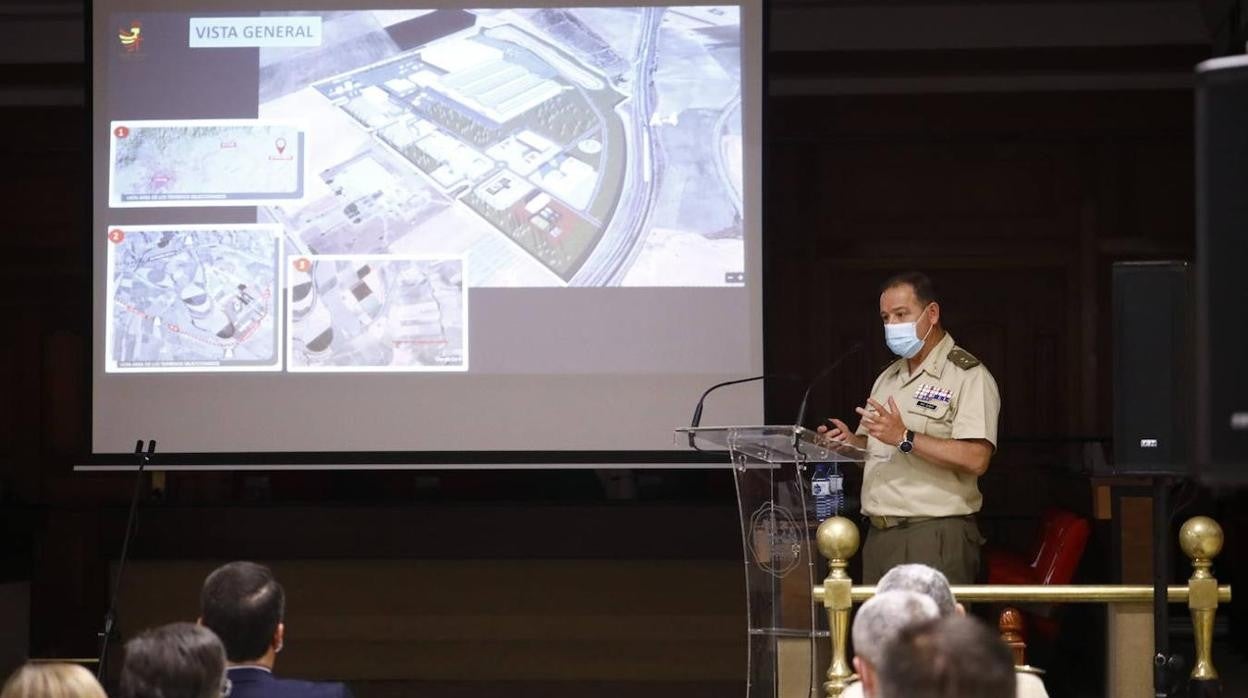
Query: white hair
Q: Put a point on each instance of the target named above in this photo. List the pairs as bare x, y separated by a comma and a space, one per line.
920, 579
882, 618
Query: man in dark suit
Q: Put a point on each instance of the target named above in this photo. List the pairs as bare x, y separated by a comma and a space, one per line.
245, 606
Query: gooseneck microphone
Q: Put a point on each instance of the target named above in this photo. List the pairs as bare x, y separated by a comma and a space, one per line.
697, 411
801, 411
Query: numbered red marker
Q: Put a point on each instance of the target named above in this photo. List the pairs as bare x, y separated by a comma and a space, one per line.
303, 264
116, 235
121, 132
281, 145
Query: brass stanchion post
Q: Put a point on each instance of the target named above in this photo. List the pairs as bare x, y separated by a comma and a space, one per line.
1201, 540
837, 539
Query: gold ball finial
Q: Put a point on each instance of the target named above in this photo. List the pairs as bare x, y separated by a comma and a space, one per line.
1201, 538
837, 538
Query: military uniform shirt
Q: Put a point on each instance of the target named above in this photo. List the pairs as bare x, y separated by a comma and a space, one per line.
950, 396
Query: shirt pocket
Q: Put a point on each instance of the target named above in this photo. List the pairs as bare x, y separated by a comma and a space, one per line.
931, 417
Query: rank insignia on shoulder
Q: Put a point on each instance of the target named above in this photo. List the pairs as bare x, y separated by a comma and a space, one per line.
962, 358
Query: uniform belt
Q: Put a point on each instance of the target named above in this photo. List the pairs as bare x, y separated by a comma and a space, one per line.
895, 521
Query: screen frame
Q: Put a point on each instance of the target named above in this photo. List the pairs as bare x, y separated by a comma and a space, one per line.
93, 461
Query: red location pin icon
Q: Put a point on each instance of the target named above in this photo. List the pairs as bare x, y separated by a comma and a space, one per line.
281, 145
116, 236
303, 264
121, 132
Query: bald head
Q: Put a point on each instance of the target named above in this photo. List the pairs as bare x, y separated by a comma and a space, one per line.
882, 618
920, 579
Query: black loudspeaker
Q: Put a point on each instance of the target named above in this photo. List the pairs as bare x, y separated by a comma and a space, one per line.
1222, 268
1153, 368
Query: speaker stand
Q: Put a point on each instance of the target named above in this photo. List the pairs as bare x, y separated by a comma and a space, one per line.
1167, 667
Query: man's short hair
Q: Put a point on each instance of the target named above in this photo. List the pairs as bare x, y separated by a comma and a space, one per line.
882, 617
920, 579
243, 604
954, 657
179, 660
917, 280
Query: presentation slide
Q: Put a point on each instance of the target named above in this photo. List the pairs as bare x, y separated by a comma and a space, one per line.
297, 207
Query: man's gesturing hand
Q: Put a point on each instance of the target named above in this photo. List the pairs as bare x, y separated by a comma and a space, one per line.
884, 423
838, 432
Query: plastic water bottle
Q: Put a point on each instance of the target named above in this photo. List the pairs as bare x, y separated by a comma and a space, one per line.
827, 487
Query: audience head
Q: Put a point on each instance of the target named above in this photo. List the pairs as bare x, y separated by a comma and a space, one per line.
878, 622
52, 680
951, 657
179, 660
924, 580
244, 605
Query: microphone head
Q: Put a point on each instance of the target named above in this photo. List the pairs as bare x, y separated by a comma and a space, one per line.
151, 446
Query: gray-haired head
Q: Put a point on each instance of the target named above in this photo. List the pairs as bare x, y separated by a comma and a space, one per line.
181, 660
920, 579
882, 618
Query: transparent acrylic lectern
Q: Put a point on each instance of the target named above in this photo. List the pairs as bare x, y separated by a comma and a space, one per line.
771, 468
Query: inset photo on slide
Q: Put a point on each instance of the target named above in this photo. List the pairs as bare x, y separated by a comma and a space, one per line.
204, 162
186, 298
377, 313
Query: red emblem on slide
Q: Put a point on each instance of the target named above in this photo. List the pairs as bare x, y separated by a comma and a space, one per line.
121, 132
116, 235
303, 264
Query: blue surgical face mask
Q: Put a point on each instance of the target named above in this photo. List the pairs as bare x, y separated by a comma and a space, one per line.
903, 339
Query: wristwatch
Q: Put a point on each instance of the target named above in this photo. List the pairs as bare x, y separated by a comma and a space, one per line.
907, 444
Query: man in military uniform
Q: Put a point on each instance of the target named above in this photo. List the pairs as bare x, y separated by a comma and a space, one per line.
929, 429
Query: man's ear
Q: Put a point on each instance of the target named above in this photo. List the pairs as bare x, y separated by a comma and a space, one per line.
934, 316
279, 638
867, 676
960, 609
199, 621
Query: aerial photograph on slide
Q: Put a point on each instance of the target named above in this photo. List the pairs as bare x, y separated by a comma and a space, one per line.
548, 147
377, 313
204, 162
193, 298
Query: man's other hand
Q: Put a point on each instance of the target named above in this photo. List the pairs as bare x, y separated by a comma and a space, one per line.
837, 432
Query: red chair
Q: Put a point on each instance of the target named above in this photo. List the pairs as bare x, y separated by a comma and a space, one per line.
1053, 559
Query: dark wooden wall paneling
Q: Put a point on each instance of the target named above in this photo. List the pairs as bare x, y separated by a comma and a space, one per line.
1016, 203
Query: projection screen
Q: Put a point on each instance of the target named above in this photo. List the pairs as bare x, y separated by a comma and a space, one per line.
447, 233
